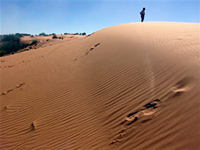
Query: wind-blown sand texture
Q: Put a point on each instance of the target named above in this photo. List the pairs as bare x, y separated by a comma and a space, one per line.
128, 87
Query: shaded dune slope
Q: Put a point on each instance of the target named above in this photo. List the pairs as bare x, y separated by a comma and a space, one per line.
131, 86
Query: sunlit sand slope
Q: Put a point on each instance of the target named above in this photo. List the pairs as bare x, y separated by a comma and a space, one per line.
132, 86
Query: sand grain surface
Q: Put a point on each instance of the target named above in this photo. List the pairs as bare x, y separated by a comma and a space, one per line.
131, 86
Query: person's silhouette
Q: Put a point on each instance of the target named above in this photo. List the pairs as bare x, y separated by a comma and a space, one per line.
142, 13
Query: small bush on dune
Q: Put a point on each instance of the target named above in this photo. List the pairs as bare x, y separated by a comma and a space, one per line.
2, 52
34, 42
43, 34
83, 33
54, 37
9, 47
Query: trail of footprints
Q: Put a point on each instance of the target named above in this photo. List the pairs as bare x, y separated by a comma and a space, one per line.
32, 126
88, 51
21, 62
8, 91
143, 114
10, 66
92, 48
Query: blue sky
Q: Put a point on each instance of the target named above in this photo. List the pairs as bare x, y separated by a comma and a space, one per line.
60, 16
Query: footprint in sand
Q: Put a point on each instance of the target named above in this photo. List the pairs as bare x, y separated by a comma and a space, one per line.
132, 117
97, 44
32, 126
17, 86
9, 90
10, 66
180, 87
2, 61
4, 93
5, 108
177, 92
147, 110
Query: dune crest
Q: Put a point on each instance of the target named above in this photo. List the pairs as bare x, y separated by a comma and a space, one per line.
130, 86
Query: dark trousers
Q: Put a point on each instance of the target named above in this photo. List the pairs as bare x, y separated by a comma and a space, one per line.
142, 17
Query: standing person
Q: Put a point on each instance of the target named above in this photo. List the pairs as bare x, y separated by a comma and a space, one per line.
142, 13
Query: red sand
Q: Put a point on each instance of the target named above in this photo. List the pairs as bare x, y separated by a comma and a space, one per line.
129, 87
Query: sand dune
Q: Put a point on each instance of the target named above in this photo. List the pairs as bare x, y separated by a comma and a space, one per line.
129, 87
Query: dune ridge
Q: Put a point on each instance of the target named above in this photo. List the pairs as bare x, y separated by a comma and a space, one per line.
131, 86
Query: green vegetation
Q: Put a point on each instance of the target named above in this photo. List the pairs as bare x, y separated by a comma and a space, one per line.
22, 34
34, 42
83, 33
11, 38
43, 34
54, 37
11, 44
75, 33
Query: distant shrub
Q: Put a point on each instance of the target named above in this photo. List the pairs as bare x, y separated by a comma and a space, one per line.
47, 40
11, 43
34, 42
18, 34
54, 37
32, 36
22, 34
83, 33
75, 33
11, 38
43, 34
